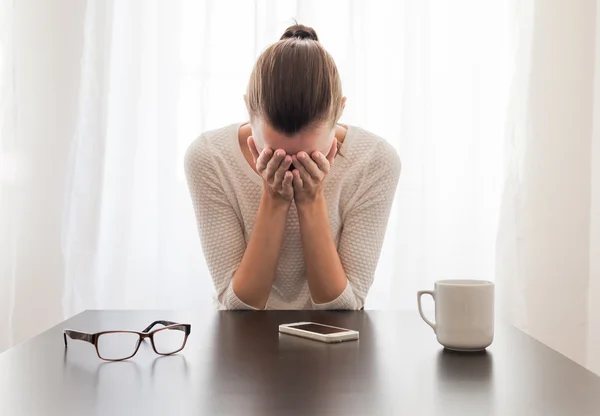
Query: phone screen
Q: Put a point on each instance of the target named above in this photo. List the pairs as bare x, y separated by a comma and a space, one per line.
319, 329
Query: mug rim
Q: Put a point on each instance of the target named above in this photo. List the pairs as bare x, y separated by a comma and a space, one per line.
464, 282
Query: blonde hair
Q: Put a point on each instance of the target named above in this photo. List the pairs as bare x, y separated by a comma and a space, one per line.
295, 83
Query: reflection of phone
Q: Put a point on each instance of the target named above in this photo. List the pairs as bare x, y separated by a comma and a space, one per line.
319, 332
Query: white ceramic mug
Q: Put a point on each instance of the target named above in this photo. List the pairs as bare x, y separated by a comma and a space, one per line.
464, 313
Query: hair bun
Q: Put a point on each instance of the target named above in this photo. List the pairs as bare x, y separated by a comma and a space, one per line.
300, 32
303, 34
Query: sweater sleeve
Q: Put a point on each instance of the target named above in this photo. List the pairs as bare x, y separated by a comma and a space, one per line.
364, 228
221, 234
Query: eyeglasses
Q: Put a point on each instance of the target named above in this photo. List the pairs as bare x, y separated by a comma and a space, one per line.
122, 345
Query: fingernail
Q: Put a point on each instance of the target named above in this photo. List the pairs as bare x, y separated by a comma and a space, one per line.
301, 155
279, 153
268, 152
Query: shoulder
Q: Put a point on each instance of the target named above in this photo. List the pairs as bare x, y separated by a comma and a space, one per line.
374, 153
386, 159
204, 150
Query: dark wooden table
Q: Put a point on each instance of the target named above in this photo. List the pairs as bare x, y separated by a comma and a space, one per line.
237, 363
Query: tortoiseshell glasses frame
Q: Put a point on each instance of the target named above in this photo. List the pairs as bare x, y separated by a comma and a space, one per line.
142, 335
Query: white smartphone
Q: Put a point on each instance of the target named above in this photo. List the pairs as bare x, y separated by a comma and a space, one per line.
319, 332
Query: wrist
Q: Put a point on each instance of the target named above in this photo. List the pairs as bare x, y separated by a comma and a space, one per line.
308, 206
274, 203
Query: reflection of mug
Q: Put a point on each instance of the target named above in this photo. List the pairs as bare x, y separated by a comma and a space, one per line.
464, 313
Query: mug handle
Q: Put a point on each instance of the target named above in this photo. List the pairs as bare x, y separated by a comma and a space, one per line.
432, 294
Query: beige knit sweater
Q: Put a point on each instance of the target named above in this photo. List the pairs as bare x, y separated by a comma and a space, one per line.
359, 191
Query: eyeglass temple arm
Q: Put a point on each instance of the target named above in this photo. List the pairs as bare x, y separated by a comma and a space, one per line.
164, 323
78, 335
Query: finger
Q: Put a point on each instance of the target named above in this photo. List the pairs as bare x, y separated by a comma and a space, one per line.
253, 149
321, 161
263, 160
280, 173
303, 174
309, 166
298, 182
274, 164
287, 182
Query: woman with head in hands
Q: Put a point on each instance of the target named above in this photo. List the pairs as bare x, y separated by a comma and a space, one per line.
292, 206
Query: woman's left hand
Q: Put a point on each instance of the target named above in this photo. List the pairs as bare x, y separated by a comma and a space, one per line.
310, 172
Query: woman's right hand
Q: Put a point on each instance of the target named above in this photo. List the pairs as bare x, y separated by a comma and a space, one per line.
273, 167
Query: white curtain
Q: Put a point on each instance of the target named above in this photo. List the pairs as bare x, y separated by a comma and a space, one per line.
40, 50
101, 98
549, 235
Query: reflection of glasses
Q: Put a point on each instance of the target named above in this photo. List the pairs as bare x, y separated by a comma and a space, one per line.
121, 345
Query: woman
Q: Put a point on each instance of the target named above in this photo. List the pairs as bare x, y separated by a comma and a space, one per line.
282, 226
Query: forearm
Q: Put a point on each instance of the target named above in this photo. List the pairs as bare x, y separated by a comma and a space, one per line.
324, 270
254, 277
